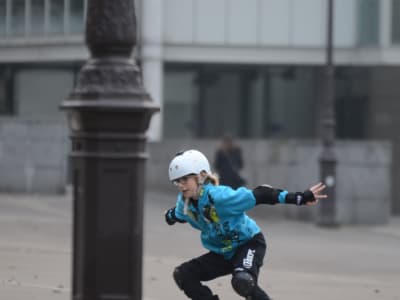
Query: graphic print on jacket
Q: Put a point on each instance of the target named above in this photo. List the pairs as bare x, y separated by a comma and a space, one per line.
209, 211
220, 216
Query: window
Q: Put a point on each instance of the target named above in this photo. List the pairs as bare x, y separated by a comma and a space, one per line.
396, 21
76, 16
246, 101
18, 17
37, 17
203, 100
5, 88
368, 22
39, 91
2, 18
56, 16
35, 91
180, 103
352, 102
41, 17
290, 95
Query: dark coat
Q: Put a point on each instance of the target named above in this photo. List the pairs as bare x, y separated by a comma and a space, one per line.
228, 164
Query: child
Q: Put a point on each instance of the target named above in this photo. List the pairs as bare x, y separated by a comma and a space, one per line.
235, 243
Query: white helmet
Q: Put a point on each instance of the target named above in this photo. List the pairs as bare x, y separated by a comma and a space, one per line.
188, 162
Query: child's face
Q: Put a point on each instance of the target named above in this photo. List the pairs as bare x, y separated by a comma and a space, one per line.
188, 185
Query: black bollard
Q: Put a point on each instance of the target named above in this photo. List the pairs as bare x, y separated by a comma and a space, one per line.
108, 114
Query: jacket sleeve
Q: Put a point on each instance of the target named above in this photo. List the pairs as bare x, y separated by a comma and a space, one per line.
232, 201
175, 214
266, 194
178, 212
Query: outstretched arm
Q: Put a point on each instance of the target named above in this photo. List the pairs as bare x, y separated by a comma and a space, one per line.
266, 194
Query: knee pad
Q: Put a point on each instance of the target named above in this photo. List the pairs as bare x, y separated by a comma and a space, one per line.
178, 278
243, 283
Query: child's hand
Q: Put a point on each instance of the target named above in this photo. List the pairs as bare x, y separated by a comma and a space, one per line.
316, 190
170, 216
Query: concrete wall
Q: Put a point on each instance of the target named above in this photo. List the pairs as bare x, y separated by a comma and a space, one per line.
363, 173
32, 156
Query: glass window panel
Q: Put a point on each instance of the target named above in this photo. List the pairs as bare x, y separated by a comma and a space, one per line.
179, 105
256, 102
39, 92
368, 22
76, 16
5, 96
262, 101
2, 18
37, 17
220, 88
56, 16
352, 102
18, 17
395, 21
291, 93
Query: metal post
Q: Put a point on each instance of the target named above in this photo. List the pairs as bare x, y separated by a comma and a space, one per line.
327, 209
108, 114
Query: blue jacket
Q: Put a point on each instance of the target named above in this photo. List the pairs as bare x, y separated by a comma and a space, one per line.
221, 218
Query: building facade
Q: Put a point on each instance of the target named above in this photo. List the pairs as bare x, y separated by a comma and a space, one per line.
257, 63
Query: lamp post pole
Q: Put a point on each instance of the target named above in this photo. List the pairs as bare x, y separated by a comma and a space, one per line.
327, 209
108, 114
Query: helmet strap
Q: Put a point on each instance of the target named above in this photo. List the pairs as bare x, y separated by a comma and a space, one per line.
201, 179
185, 207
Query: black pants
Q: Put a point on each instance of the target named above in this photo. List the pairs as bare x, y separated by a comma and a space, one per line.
209, 266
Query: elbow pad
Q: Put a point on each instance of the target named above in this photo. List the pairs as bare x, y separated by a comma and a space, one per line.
265, 194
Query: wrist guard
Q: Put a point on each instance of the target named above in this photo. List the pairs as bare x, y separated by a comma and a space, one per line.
300, 198
171, 218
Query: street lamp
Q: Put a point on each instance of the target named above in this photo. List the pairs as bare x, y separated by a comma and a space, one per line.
327, 209
108, 114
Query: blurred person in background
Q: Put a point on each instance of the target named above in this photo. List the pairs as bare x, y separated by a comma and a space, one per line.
229, 162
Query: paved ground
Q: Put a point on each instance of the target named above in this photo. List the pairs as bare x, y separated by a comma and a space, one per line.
303, 261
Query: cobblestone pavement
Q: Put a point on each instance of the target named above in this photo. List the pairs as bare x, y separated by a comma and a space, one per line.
303, 261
